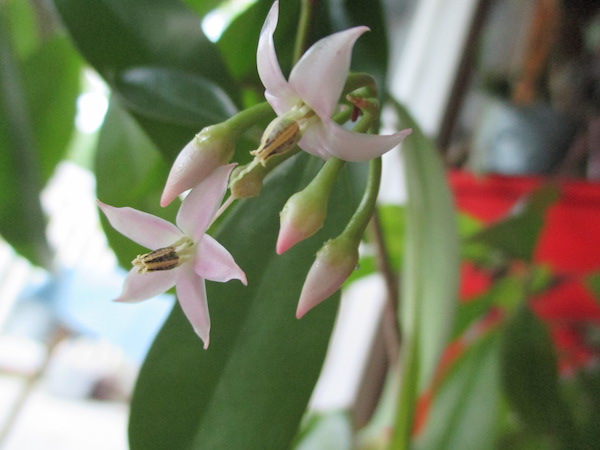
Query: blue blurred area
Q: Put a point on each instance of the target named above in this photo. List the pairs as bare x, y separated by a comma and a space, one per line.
81, 301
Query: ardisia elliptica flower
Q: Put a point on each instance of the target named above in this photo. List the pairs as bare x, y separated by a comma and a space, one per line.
183, 255
211, 148
334, 263
308, 99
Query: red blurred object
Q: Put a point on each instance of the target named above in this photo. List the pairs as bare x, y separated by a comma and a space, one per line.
569, 244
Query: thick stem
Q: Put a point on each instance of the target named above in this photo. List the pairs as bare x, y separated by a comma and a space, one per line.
248, 117
359, 221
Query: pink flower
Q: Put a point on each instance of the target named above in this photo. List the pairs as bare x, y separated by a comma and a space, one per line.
312, 92
182, 256
334, 263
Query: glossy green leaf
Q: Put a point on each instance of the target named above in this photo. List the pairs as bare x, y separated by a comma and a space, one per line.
430, 270
250, 388
530, 377
130, 171
37, 108
118, 35
173, 96
517, 235
202, 7
466, 408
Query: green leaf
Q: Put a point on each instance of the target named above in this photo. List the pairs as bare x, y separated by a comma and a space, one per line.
51, 76
118, 35
202, 7
530, 377
330, 430
517, 235
174, 96
250, 388
592, 282
430, 270
37, 109
130, 171
466, 406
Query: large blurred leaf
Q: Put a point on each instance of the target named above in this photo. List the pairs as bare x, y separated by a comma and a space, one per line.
331, 430
530, 377
249, 390
37, 109
52, 75
174, 96
466, 407
118, 35
202, 7
130, 171
430, 270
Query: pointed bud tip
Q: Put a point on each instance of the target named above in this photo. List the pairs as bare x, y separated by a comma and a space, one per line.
300, 313
290, 235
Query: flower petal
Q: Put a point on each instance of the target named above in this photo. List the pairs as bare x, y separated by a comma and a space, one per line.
191, 293
201, 204
142, 286
319, 77
279, 94
356, 147
312, 140
145, 229
215, 263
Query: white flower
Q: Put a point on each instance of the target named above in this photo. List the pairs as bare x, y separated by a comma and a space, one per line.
183, 255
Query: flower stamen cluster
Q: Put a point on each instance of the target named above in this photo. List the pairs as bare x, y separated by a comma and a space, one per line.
165, 258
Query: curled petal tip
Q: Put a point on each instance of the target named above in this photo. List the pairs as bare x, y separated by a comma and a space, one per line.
166, 199
206, 342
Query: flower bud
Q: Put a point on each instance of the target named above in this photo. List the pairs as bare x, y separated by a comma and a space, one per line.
211, 148
333, 265
247, 181
301, 217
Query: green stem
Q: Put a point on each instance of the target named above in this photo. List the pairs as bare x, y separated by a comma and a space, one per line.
359, 221
248, 117
323, 182
306, 12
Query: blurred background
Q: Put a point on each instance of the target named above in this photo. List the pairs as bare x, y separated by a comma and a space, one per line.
507, 89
